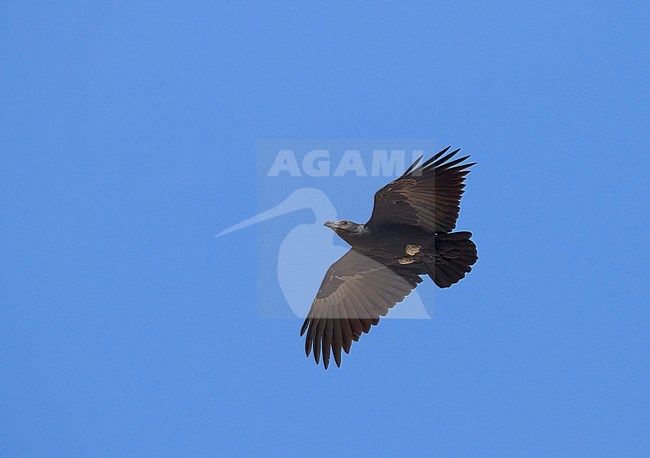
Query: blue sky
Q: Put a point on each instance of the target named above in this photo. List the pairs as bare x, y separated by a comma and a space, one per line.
128, 140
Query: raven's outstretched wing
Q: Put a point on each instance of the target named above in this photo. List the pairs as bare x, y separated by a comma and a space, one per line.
427, 195
355, 293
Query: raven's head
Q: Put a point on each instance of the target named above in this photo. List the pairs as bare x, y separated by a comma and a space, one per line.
347, 230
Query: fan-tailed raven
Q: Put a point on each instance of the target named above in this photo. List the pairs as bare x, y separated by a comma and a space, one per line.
408, 235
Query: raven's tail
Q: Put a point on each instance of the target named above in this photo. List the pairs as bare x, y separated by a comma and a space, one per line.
454, 255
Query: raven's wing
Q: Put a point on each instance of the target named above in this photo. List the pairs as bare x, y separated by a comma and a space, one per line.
355, 293
427, 195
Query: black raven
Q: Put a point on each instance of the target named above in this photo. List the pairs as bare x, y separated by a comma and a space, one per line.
408, 235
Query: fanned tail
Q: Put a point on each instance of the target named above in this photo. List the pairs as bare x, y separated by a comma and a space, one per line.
454, 256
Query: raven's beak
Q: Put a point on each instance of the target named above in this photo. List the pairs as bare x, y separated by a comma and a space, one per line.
330, 224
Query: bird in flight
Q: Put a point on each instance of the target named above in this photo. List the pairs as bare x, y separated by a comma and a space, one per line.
408, 235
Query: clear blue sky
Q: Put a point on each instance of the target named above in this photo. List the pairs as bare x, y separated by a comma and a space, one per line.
127, 140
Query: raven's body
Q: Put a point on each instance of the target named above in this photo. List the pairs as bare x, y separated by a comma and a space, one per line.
409, 247
409, 235
386, 242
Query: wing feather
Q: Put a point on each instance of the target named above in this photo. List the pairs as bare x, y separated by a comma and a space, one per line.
356, 292
427, 195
